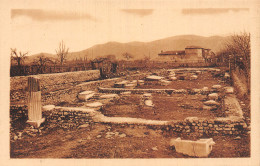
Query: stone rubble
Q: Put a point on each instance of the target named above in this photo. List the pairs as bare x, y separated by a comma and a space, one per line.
173, 78
216, 87
155, 148
84, 96
108, 96
194, 77
149, 103
213, 96
125, 93
120, 84
229, 90
94, 104
211, 103
130, 86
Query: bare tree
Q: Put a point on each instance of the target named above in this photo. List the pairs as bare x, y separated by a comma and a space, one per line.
42, 61
237, 51
239, 47
18, 57
127, 56
62, 52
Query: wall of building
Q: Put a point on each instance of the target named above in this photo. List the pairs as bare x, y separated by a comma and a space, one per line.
195, 54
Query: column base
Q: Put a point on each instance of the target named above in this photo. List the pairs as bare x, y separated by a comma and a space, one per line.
35, 123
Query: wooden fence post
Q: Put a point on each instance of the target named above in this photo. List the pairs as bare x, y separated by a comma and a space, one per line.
34, 102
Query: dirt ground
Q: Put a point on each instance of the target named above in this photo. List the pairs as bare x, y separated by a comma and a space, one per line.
166, 107
171, 107
130, 142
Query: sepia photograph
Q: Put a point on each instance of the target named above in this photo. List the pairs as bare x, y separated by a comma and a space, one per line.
145, 79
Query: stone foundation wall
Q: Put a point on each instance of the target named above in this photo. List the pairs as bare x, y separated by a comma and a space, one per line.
55, 118
210, 127
71, 119
18, 112
66, 119
50, 82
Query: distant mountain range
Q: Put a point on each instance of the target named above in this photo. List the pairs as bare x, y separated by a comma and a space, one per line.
141, 49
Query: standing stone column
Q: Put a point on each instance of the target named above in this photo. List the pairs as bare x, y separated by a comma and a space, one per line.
34, 102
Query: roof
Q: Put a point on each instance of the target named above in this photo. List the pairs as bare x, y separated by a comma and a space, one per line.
193, 47
172, 53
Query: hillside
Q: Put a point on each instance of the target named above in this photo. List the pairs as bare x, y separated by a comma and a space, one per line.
141, 49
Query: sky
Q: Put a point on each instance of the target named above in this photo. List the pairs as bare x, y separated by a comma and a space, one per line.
40, 27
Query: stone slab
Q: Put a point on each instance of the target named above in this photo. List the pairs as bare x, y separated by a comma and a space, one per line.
229, 90
108, 96
85, 95
120, 84
153, 78
130, 86
213, 96
48, 107
211, 103
149, 103
199, 148
94, 104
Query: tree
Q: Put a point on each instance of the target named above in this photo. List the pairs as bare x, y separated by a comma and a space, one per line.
42, 62
239, 47
237, 51
18, 57
62, 52
127, 56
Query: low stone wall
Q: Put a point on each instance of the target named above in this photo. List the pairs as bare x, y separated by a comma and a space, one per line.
66, 118
74, 117
18, 112
221, 126
55, 118
50, 82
